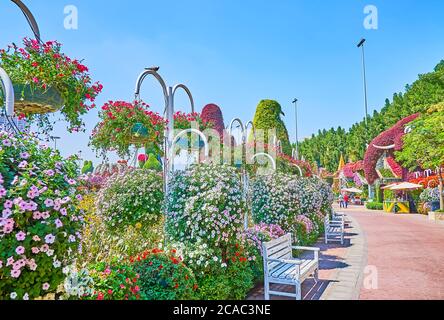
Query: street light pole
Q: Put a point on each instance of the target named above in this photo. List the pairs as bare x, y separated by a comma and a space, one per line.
361, 45
364, 75
295, 101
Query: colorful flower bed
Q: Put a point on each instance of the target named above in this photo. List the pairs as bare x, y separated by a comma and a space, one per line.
40, 225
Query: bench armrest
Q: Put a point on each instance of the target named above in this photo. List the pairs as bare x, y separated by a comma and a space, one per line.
293, 261
306, 248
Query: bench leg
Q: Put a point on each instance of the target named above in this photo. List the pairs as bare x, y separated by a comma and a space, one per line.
316, 276
267, 290
298, 291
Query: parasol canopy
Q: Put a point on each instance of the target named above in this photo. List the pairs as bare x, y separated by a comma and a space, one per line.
406, 186
352, 190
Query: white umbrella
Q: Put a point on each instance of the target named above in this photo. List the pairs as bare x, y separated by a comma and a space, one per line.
407, 186
352, 190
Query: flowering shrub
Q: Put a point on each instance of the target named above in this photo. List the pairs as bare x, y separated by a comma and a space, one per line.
44, 66
100, 245
279, 198
205, 203
306, 230
132, 198
77, 284
254, 237
393, 136
124, 124
164, 276
232, 281
430, 195
40, 224
115, 282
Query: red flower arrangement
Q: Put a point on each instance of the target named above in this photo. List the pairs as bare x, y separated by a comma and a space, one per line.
392, 136
124, 124
44, 67
163, 275
182, 121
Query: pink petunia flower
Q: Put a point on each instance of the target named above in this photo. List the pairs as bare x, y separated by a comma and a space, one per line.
20, 236
20, 250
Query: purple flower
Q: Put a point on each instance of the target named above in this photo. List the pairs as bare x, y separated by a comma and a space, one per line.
45, 286
20, 250
24, 155
63, 211
8, 204
58, 223
49, 203
49, 239
7, 143
15, 273
20, 236
2, 192
49, 173
23, 164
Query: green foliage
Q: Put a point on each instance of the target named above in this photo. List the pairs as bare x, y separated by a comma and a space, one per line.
152, 163
87, 167
421, 145
130, 198
268, 117
374, 206
325, 147
164, 276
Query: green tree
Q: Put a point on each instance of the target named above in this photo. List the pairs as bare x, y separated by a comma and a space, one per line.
424, 145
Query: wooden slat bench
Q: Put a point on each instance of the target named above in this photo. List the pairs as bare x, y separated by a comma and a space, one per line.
334, 229
281, 268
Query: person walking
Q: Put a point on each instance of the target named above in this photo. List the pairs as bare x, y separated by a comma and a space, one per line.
346, 199
341, 201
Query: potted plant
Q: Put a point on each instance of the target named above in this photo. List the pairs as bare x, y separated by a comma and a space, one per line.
46, 80
125, 124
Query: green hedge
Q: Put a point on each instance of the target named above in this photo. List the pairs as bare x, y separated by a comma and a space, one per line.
374, 206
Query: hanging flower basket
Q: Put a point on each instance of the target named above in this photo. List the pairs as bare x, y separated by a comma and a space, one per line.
125, 124
30, 100
46, 81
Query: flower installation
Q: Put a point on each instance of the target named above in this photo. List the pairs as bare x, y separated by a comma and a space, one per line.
40, 225
124, 124
46, 80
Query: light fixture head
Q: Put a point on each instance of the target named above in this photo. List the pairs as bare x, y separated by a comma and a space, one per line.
361, 43
153, 69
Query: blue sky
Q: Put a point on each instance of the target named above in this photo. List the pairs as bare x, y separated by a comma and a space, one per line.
235, 53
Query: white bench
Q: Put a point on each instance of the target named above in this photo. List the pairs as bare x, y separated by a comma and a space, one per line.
281, 268
334, 229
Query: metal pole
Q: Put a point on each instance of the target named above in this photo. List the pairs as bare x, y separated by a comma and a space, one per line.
295, 101
364, 75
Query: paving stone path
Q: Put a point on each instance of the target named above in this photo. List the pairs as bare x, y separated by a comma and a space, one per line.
385, 257
407, 253
340, 271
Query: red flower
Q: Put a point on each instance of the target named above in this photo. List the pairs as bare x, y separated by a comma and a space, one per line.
100, 296
142, 158
160, 267
110, 292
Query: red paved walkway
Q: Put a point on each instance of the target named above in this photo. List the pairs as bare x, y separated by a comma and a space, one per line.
408, 251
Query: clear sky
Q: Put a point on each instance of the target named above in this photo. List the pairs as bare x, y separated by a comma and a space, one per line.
235, 53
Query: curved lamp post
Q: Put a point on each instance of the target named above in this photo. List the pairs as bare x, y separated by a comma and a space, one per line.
168, 93
8, 91
30, 18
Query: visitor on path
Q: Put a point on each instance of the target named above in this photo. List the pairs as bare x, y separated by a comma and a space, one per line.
346, 199
341, 201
